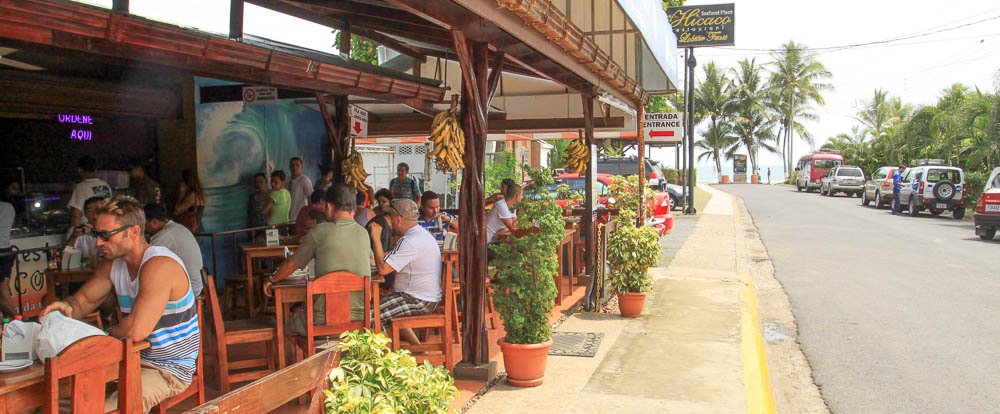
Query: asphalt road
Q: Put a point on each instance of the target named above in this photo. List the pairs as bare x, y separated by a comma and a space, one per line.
896, 314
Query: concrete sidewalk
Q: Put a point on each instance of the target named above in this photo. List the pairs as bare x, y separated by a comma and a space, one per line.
683, 355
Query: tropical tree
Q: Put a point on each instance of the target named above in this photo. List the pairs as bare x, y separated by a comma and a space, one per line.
717, 145
797, 81
558, 155
752, 124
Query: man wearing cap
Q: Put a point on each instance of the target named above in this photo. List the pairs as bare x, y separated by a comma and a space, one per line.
416, 260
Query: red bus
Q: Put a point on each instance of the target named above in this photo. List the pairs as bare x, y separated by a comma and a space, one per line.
812, 167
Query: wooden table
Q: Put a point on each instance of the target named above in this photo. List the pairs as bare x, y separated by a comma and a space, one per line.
54, 278
257, 251
23, 391
289, 292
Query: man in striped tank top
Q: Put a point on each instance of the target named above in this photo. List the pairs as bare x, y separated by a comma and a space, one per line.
155, 297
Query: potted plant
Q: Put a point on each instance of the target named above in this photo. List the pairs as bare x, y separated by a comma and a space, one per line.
525, 290
372, 379
631, 251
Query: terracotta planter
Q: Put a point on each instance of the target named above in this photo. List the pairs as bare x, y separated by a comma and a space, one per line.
725, 179
631, 304
755, 179
525, 364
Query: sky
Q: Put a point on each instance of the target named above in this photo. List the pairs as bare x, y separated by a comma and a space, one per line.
937, 52
915, 69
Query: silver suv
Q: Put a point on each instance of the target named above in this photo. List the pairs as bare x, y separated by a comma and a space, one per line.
846, 179
936, 188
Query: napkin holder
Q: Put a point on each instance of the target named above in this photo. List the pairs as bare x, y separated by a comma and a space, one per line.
272, 238
71, 259
22, 348
450, 241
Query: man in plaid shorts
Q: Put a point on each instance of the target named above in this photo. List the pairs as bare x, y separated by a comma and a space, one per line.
416, 259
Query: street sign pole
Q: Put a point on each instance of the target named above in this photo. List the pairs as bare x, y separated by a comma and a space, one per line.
690, 63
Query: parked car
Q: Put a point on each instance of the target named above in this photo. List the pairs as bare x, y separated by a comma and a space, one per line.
661, 203
846, 179
987, 216
936, 188
812, 167
878, 188
676, 193
630, 166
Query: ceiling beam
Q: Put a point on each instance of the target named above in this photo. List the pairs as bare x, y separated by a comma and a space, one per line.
393, 126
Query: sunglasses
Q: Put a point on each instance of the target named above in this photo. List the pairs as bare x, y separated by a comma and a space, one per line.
107, 235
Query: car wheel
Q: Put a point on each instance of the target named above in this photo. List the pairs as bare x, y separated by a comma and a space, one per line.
878, 200
959, 213
864, 199
798, 187
936, 212
674, 204
988, 234
914, 210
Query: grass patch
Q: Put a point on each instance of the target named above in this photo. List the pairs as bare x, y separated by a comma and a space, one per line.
701, 198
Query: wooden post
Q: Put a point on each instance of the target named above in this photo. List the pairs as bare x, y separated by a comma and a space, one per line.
587, 221
345, 40
333, 153
472, 234
641, 145
236, 19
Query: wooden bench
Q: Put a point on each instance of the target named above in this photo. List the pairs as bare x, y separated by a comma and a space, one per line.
279, 388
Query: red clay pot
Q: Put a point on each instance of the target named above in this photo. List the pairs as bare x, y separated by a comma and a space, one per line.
630, 304
525, 364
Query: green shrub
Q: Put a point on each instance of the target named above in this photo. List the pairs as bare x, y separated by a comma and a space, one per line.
373, 379
625, 191
631, 251
975, 181
526, 265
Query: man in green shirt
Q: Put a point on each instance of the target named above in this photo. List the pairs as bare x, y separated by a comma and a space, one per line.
339, 244
280, 204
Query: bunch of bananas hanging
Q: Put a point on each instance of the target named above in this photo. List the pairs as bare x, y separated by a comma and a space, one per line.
577, 156
353, 170
449, 142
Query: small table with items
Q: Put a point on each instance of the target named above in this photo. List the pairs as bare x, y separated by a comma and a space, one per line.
257, 251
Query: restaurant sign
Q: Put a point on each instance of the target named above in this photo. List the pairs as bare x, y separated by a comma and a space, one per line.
706, 25
81, 126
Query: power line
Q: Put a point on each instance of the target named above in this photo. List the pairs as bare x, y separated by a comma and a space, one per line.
856, 45
880, 46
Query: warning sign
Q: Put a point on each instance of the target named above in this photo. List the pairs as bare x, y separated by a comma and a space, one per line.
359, 122
664, 127
260, 94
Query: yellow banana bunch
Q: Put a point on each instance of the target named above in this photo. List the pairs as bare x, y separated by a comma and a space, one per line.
353, 170
449, 142
577, 156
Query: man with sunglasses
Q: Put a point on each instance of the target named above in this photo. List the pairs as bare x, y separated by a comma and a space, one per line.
154, 295
416, 259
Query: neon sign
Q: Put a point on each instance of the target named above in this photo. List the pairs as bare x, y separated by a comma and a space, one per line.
78, 134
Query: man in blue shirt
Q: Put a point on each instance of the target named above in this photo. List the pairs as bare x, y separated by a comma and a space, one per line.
437, 222
897, 184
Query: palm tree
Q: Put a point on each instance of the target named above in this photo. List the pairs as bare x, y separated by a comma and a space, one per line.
981, 112
798, 82
717, 144
752, 123
881, 113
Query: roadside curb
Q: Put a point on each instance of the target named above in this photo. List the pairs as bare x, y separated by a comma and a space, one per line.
756, 376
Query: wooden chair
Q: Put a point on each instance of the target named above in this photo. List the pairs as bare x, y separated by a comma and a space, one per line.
94, 318
439, 320
245, 331
197, 387
336, 287
88, 365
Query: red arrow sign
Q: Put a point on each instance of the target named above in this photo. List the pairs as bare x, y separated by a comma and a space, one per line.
661, 133
357, 127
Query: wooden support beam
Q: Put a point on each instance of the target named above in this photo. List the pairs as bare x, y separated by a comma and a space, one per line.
342, 121
498, 124
495, 75
587, 221
641, 147
41, 93
472, 233
331, 136
345, 40
235, 19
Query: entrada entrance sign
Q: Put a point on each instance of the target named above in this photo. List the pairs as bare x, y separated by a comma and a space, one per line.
707, 25
663, 127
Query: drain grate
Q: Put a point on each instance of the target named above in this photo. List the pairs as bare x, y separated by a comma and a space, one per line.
583, 344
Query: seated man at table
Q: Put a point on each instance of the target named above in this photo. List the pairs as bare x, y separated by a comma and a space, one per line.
437, 222
165, 232
500, 220
416, 259
83, 235
154, 295
339, 244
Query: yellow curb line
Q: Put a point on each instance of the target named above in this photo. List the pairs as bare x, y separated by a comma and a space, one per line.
756, 377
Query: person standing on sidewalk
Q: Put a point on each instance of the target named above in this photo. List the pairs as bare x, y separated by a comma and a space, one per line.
897, 184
